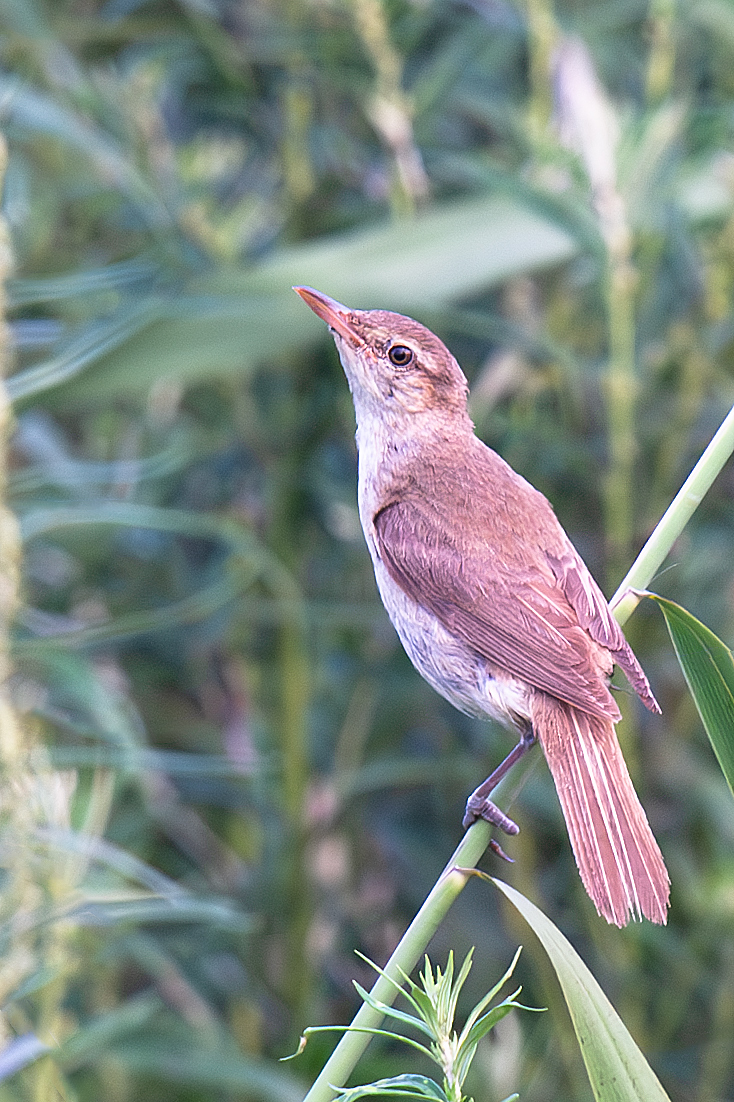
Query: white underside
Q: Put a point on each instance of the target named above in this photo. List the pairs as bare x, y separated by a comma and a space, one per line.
450, 666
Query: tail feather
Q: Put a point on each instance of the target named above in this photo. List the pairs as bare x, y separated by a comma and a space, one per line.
620, 862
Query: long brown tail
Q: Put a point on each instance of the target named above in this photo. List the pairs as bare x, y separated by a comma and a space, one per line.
619, 860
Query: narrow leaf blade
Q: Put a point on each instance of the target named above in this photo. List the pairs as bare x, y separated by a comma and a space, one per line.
19, 1053
400, 1086
708, 667
391, 1011
617, 1070
487, 1022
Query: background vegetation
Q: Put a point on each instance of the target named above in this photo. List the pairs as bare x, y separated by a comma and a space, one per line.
221, 775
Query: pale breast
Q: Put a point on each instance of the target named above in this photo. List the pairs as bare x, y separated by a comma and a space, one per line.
455, 671
449, 665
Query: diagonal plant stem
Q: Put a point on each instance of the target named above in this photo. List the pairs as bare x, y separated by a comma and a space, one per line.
342, 1061
674, 520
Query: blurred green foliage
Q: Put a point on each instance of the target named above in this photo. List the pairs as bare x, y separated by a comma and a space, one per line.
233, 777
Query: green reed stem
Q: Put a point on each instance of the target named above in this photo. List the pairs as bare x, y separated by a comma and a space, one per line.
675, 518
22, 884
407, 954
542, 40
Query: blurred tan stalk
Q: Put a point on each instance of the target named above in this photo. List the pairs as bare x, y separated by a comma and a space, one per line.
40, 884
389, 109
588, 125
14, 963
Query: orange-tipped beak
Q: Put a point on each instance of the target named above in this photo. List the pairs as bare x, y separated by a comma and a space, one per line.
335, 315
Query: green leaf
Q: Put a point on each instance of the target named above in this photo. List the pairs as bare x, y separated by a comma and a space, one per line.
231, 319
465, 246
92, 344
423, 1002
217, 1070
106, 1029
213, 914
444, 994
708, 667
400, 1086
112, 277
488, 1021
19, 1053
617, 1070
462, 976
35, 113
373, 1031
391, 1011
483, 1003
405, 993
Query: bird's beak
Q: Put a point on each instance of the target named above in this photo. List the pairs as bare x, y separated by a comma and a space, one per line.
336, 316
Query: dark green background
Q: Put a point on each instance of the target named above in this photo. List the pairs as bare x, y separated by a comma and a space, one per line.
173, 169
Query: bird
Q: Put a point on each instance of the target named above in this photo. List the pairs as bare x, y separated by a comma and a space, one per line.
492, 602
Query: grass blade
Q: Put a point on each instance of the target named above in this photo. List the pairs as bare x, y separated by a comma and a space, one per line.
708, 667
617, 1070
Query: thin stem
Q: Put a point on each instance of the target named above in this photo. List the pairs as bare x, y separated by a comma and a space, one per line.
674, 520
412, 944
661, 59
389, 108
542, 39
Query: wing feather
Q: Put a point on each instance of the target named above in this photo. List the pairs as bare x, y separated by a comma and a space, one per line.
505, 577
522, 625
596, 616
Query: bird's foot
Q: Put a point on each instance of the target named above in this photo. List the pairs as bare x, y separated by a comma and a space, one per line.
481, 807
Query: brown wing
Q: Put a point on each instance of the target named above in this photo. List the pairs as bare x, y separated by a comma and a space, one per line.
595, 615
517, 617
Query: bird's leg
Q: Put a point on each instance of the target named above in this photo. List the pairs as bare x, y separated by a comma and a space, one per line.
479, 805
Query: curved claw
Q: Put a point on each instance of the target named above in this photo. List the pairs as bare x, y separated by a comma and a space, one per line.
497, 848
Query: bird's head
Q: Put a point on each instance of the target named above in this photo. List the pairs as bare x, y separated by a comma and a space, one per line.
394, 365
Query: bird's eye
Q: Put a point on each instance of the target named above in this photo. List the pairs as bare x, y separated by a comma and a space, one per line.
400, 355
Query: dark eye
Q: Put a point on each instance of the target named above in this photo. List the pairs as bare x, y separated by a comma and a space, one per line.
400, 355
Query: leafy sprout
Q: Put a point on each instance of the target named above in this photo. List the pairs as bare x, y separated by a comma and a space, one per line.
433, 1003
